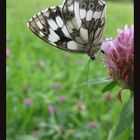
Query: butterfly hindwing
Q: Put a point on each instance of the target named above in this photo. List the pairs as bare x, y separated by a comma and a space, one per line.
99, 25
82, 18
49, 26
71, 13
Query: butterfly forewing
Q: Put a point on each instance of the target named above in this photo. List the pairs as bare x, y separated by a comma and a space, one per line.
82, 17
50, 26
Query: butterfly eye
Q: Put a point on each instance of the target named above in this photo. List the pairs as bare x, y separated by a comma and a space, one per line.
91, 5
83, 5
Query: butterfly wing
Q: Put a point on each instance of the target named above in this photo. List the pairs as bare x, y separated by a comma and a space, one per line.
50, 26
71, 12
85, 20
99, 18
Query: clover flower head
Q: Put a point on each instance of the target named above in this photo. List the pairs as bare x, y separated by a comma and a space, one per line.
93, 124
28, 101
61, 99
51, 109
119, 57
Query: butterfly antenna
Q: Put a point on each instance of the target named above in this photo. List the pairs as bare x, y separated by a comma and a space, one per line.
100, 57
86, 70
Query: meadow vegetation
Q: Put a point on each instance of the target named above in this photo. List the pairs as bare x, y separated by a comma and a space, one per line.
45, 98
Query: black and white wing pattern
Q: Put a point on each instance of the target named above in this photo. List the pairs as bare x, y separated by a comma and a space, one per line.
76, 26
49, 26
85, 21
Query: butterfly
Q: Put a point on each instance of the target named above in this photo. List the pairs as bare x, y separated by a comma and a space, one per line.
76, 26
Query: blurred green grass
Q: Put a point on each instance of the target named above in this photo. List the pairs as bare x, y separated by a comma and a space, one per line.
26, 79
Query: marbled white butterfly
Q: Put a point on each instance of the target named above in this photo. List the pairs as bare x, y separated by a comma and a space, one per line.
76, 26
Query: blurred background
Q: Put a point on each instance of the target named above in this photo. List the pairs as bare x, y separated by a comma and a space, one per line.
45, 99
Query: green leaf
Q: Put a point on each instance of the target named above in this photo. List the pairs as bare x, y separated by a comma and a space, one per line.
126, 117
97, 81
109, 86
